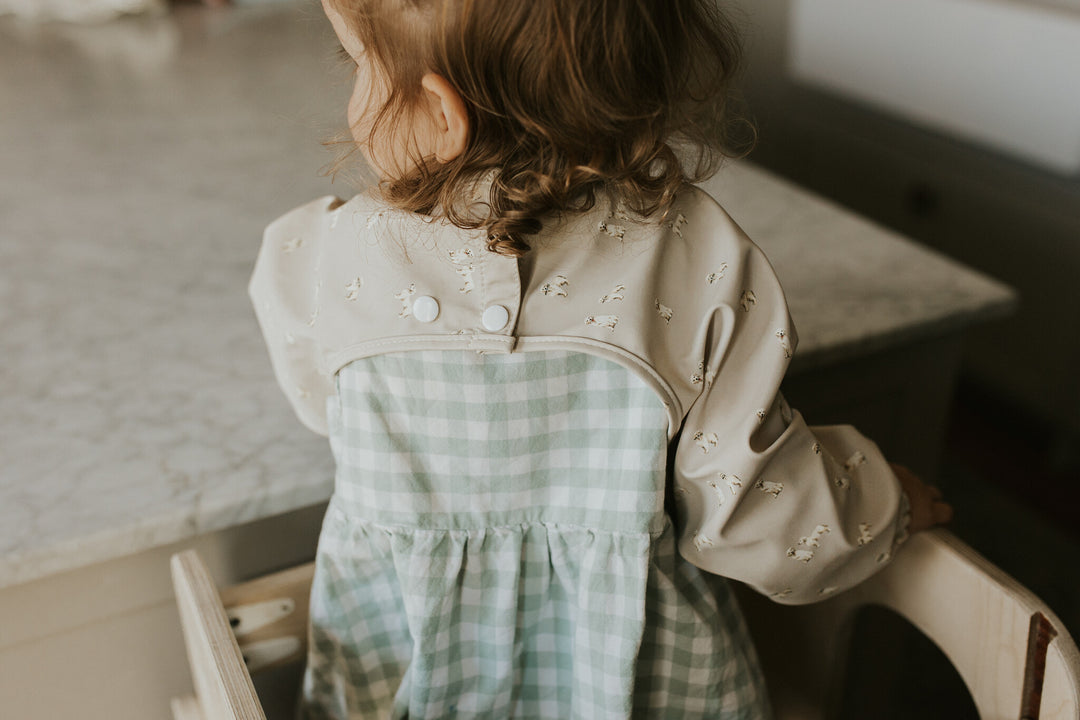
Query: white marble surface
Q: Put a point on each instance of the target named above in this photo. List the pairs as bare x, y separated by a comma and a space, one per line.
139, 162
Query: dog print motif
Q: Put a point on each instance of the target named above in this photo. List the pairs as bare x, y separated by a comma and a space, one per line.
803, 556
706, 441
843, 482
404, 296
785, 343
733, 483
607, 321
702, 541
615, 231
760, 416
699, 376
664, 310
615, 294
856, 460
352, 288
747, 300
703, 376
814, 539
770, 488
557, 286
865, 537
716, 275
811, 541
463, 264
676, 225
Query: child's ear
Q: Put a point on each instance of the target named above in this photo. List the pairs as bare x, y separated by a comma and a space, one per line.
451, 121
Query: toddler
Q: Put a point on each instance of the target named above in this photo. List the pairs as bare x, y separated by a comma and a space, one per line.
548, 367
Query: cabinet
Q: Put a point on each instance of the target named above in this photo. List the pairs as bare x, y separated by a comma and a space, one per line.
1015, 221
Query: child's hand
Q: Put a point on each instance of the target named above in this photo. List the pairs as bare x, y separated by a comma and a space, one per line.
927, 507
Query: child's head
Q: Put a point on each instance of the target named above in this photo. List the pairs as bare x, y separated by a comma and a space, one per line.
563, 99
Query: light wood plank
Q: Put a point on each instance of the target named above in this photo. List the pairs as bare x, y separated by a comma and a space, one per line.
222, 683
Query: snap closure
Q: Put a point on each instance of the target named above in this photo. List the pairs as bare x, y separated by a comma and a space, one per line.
495, 318
425, 308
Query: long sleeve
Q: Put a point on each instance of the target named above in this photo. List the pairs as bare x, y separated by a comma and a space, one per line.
796, 512
285, 289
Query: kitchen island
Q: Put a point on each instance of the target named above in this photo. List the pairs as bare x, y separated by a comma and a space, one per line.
139, 162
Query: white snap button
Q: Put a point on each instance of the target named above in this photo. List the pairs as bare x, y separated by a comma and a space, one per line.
425, 308
495, 318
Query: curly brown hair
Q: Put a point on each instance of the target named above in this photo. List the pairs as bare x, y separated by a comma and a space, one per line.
566, 99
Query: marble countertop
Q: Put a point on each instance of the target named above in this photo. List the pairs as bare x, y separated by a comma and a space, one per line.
139, 407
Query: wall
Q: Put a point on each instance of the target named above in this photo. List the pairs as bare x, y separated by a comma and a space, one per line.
1015, 220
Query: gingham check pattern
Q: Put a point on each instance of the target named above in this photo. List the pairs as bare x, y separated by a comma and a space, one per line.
497, 548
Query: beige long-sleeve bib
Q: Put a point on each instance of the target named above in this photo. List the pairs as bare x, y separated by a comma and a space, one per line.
689, 304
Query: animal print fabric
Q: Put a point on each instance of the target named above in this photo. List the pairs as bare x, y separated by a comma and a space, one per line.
497, 547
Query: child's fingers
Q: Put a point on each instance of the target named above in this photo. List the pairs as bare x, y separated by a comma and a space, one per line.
927, 504
942, 512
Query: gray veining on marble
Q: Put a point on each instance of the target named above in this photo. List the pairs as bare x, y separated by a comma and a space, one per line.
139, 162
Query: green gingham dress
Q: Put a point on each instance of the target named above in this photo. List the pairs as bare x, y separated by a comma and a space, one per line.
497, 546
